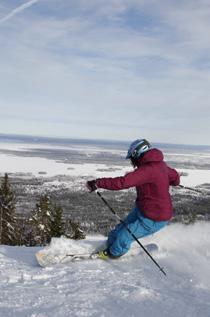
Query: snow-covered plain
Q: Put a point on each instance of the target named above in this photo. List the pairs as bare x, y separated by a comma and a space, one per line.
130, 286
32, 166
35, 166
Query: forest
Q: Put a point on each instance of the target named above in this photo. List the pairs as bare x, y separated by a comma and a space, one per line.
32, 220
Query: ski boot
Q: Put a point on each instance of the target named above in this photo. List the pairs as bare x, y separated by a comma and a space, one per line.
106, 255
103, 255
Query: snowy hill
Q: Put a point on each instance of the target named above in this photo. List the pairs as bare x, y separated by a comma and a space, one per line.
131, 286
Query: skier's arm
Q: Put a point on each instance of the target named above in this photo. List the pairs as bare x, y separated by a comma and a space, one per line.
132, 179
174, 177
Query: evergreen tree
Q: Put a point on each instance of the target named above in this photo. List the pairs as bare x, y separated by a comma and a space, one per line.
57, 223
7, 213
47, 221
21, 231
41, 220
74, 231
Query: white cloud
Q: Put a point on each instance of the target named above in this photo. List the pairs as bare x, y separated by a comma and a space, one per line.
19, 9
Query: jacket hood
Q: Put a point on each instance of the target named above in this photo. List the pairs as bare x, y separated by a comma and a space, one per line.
153, 155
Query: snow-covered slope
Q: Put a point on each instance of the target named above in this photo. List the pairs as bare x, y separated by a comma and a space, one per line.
131, 286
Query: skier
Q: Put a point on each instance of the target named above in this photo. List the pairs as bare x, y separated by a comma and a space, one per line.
153, 207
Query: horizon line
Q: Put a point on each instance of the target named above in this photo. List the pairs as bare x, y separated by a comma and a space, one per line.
92, 139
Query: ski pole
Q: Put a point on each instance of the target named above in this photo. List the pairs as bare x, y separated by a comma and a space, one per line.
192, 189
134, 237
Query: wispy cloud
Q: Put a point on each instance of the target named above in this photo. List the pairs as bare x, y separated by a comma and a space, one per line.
17, 10
132, 60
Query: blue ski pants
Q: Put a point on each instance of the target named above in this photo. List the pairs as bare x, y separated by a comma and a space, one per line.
119, 239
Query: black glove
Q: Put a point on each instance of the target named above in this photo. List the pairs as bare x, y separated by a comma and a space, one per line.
91, 185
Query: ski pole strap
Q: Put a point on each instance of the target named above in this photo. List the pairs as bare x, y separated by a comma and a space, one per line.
127, 228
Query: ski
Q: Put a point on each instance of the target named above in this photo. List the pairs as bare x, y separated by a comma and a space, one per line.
46, 258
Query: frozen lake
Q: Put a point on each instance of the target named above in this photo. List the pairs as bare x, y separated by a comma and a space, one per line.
30, 157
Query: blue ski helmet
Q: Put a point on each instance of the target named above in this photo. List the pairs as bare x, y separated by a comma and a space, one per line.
137, 148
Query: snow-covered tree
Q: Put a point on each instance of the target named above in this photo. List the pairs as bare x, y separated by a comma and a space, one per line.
74, 231
21, 227
7, 213
41, 220
47, 221
57, 223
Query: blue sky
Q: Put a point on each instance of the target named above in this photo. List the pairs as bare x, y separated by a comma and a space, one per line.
106, 69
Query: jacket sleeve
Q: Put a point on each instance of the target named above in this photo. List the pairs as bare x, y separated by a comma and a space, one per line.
174, 178
132, 179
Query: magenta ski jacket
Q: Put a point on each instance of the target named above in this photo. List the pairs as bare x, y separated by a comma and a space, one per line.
152, 179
